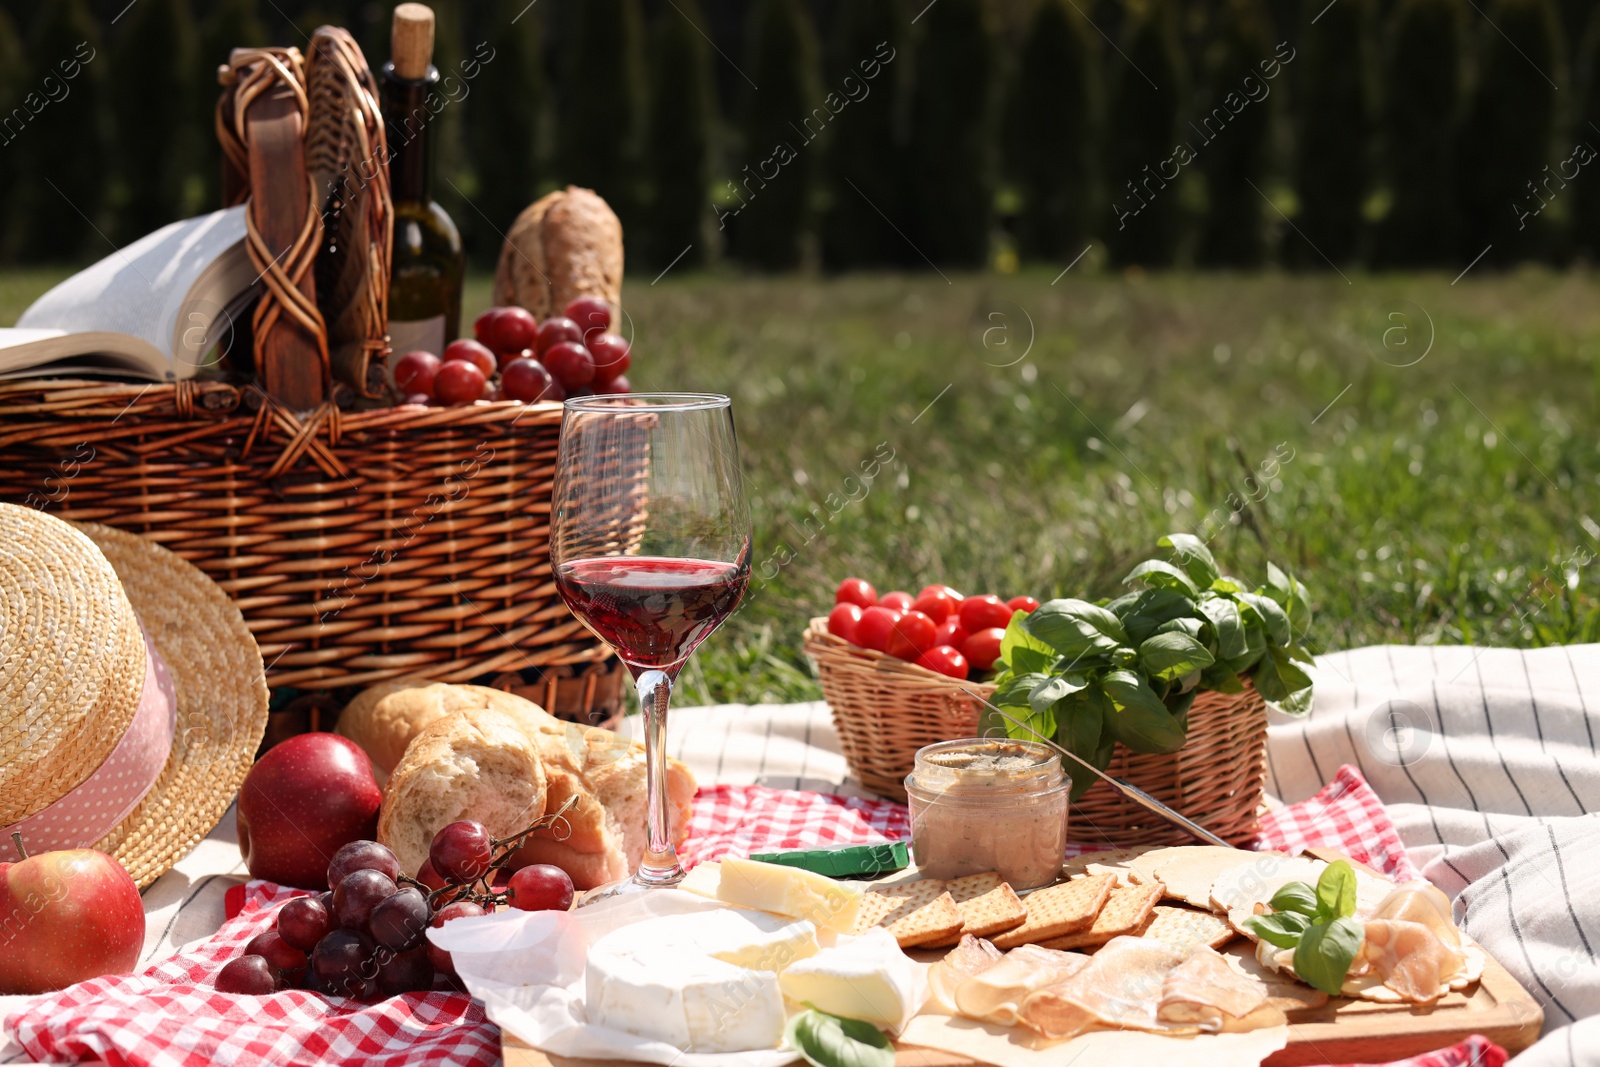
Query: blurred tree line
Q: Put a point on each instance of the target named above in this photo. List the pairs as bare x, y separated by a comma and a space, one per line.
864, 134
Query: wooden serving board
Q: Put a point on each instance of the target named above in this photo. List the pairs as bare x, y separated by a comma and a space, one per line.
1342, 1031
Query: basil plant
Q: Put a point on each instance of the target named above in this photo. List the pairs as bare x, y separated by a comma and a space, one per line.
1128, 669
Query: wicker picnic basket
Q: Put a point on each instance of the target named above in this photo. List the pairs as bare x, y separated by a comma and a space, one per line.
886, 709
360, 546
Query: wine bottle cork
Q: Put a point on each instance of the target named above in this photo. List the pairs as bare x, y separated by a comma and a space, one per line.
411, 41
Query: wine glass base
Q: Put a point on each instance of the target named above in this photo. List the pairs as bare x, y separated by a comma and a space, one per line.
643, 882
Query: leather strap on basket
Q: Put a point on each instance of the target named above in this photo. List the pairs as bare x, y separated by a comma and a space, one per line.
347, 154
289, 300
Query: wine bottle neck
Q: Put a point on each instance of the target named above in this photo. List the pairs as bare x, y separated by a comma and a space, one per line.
408, 120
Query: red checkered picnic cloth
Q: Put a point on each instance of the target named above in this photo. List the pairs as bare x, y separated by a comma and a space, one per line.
169, 1016
1346, 815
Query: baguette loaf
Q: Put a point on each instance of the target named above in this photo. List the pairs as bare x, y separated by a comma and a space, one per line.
564, 245
384, 718
605, 836
476, 763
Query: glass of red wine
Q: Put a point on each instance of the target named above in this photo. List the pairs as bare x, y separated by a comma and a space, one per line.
650, 545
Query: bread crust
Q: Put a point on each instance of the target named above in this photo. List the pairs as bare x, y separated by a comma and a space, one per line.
475, 763
604, 836
564, 245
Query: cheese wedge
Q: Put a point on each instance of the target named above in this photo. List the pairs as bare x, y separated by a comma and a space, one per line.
869, 979
704, 982
695, 1003
790, 891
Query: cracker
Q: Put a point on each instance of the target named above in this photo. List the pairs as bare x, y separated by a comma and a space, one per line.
987, 904
1058, 910
1184, 928
1114, 861
1126, 911
916, 913
1189, 871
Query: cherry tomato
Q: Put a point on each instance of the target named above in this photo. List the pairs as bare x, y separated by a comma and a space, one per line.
936, 604
953, 594
843, 620
950, 632
913, 634
855, 591
945, 660
982, 612
876, 627
898, 600
1029, 604
983, 648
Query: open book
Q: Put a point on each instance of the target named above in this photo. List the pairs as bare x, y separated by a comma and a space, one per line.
163, 308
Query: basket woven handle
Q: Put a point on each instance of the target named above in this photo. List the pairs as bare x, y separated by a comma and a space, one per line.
283, 224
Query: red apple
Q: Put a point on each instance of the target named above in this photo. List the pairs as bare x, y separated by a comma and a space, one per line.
301, 801
68, 916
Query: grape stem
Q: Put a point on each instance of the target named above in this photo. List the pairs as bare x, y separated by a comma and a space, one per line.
501, 854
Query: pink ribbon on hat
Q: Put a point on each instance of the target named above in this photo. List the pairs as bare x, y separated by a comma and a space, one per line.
96, 805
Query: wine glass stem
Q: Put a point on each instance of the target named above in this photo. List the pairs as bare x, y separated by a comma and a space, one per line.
660, 865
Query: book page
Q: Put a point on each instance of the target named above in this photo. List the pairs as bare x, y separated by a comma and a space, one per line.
143, 289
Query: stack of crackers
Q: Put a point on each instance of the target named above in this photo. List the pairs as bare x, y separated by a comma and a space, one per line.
1163, 894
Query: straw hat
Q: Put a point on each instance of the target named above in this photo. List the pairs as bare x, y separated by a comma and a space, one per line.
132, 695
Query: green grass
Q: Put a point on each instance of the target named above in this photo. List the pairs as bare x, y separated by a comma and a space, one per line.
1454, 500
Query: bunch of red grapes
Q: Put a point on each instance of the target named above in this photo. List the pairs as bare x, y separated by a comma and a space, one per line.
516, 357
940, 629
367, 936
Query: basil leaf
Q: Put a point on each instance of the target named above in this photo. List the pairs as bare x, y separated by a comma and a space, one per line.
1076, 628
1288, 591
1022, 652
1160, 574
1255, 638
1336, 892
1147, 609
1277, 622
1178, 706
1140, 721
1296, 896
1101, 620
1194, 627
1193, 556
1051, 690
825, 1040
1013, 692
1165, 656
1223, 615
1280, 928
1220, 677
1082, 780
1323, 957
1282, 681
1079, 719
1227, 585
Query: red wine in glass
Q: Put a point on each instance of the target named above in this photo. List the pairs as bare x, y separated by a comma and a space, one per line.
650, 548
654, 610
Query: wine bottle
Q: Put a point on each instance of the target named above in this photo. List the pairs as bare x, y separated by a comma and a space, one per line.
428, 264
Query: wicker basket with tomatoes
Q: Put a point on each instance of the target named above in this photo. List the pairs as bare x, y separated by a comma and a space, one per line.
1166, 685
